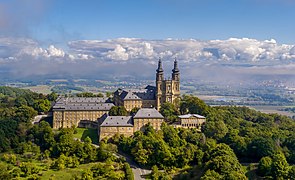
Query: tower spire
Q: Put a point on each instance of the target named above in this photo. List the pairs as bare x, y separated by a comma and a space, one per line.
160, 69
175, 69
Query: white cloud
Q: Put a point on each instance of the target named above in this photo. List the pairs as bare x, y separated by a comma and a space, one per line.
93, 56
233, 49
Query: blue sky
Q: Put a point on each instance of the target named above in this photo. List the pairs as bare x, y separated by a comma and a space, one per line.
160, 19
79, 37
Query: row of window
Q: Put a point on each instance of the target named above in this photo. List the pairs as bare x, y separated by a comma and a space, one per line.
191, 125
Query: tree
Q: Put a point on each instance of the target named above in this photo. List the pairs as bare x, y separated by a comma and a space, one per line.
128, 172
4, 171
155, 173
211, 175
193, 105
89, 150
215, 129
52, 96
109, 94
280, 166
118, 111
169, 111
87, 175
20, 101
261, 146
264, 166
43, 135
292, 173
134, 110
60, 163
42, 105
25, 114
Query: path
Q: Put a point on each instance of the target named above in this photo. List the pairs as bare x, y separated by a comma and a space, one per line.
38, 118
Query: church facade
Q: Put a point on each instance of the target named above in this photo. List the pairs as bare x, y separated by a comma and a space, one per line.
166, 90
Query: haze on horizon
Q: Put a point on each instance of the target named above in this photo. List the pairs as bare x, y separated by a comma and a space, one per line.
106, 38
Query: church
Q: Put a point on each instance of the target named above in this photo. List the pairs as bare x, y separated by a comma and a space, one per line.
166, 90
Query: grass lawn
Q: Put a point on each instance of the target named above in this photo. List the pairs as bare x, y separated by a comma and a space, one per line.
66, 173
82, 133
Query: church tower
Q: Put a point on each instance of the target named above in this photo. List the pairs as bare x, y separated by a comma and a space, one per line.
175, 82
167, 90
159, 86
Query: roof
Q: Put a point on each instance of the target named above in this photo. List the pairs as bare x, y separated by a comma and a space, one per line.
83, 103
148, 113
142, 94
110, 121
192, 115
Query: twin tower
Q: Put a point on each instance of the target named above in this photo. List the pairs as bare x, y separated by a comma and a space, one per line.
167, 90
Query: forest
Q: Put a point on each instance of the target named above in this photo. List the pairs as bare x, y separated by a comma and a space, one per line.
235, 143
30, 151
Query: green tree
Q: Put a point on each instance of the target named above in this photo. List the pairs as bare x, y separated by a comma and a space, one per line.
4, 172
280, 166
193, 105
60, 163
109, 94
25, 114
87, 175
43, 135
292, 173
128, 172
169, 111
20, 101
118, 111
264, 166
89, 149
134, 110
211, 175
215, 129
155, 173
261, 146
52, 96
42, 105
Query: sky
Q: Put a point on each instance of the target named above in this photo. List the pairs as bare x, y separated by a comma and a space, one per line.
103, 33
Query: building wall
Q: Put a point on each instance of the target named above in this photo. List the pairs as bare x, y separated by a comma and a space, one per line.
167, 91
107, 132
57, 119
192, 122
140, 122
130, 104
148, 103
65, 119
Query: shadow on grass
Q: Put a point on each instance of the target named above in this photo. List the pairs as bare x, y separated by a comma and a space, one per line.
92, 133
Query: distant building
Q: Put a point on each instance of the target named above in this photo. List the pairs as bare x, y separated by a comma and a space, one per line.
191, 121
79, 111
127, 125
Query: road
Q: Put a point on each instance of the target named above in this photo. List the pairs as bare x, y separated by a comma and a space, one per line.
38, 118
136, 169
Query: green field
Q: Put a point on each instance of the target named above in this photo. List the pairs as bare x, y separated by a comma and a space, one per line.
273, 109
67, 173
44, 89
82, 133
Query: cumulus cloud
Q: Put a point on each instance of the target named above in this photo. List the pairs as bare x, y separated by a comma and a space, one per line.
233, 49
128, 56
